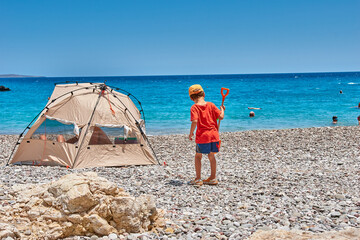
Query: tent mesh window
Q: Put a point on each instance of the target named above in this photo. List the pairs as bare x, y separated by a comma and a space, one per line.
106, 135
55, 131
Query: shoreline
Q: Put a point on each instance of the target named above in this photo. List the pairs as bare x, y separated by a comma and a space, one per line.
229, 132
290, 179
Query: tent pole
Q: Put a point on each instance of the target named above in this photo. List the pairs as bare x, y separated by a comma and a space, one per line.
147, 140
12, 152
129, 94
141, 131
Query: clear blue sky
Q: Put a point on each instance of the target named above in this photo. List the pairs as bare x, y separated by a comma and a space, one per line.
167, 37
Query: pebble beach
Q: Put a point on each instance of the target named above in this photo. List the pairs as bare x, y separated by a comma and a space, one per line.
293, 179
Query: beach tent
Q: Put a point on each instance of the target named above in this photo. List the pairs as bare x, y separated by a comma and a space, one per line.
86, 125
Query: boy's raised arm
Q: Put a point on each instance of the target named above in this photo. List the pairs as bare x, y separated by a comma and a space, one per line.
222, 114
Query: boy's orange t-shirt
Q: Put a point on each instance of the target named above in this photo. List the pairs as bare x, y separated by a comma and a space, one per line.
206, 116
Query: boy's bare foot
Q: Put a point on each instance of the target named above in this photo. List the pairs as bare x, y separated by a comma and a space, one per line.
196, 182
209, 181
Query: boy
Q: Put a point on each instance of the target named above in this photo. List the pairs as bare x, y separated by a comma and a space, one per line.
204, 117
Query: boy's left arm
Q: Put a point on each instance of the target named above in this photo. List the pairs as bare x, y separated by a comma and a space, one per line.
192, 129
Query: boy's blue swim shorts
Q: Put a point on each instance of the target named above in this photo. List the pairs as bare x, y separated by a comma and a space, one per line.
207, 148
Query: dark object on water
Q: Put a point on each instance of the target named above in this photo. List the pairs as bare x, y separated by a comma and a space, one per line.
340, 91
3, 89
335, 119
358, 106
251, 114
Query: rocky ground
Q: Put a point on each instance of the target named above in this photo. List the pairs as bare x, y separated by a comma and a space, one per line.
296, 179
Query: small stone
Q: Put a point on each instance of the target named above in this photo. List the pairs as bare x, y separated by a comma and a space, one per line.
335, 214
169, 230
94, 237
27, 232
265, 228
285, 228
112, 236
247, 225
226, 222
186, 225
339, 196
343, 203
221, 237
316, 229
343, 225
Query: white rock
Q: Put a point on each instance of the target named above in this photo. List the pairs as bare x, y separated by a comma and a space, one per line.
112, 236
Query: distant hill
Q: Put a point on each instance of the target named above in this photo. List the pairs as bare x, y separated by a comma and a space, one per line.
16, 76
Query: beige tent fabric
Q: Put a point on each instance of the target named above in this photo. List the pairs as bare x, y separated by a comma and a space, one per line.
107, 155
86, 105
85, 100
39, 152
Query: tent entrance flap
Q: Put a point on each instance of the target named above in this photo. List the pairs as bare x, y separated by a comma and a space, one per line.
114, 130
111, 135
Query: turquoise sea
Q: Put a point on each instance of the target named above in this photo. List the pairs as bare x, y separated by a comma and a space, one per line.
295, 100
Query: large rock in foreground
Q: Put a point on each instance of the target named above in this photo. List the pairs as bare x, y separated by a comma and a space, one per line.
348, 234
76, 204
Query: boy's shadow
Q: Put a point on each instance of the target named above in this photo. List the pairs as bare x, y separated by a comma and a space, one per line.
175, 183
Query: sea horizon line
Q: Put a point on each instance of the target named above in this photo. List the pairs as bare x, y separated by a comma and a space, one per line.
180, 75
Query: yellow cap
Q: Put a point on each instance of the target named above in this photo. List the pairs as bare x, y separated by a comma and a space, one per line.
194, 89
